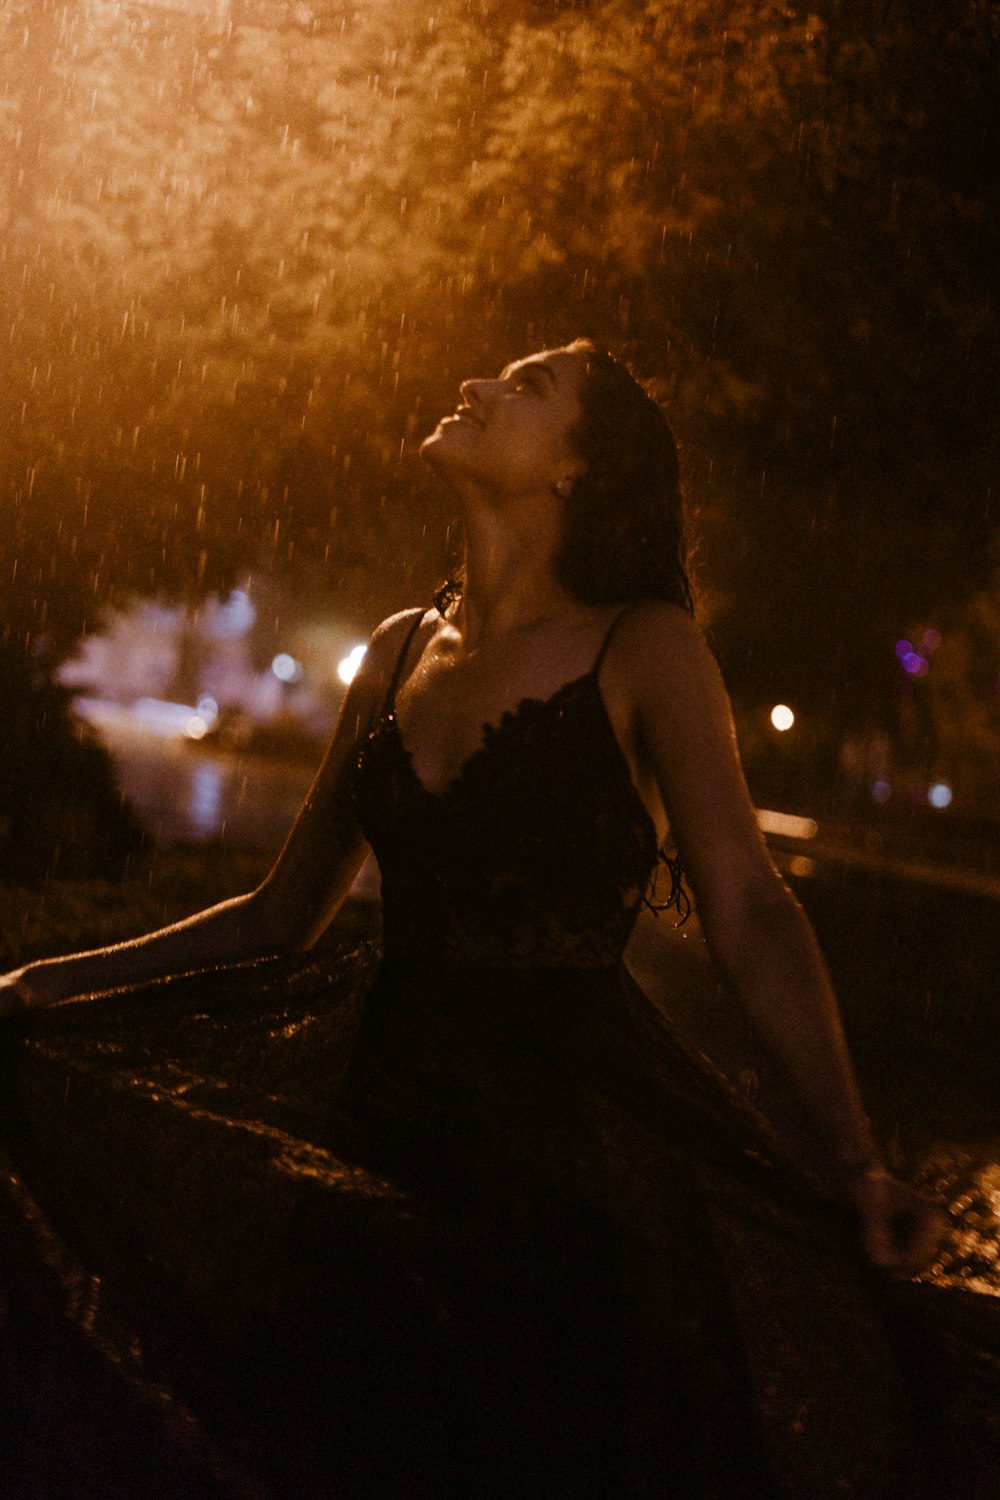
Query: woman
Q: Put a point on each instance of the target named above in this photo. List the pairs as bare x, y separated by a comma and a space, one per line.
590, 1203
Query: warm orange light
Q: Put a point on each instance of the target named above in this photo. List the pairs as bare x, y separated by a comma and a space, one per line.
788, 825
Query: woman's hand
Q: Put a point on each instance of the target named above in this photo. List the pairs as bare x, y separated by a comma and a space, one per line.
900, 1228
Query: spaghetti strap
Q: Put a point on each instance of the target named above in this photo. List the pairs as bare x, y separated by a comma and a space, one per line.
608, 637
389, 703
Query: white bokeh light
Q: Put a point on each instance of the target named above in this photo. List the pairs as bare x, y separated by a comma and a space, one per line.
286, 668
347, 669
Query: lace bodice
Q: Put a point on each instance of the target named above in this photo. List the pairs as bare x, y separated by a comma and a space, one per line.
537, 855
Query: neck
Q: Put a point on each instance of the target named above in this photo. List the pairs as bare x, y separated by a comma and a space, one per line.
509, 578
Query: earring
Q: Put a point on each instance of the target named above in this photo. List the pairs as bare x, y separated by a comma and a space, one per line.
563, 488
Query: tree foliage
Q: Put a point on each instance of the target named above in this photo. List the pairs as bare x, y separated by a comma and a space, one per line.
60, 810
251, 249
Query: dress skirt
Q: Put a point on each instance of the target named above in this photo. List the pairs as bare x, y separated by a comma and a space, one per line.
325, 1228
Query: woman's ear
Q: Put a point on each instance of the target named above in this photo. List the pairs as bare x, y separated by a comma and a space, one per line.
563, 488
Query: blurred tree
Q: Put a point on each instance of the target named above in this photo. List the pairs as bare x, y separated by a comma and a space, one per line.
60, 811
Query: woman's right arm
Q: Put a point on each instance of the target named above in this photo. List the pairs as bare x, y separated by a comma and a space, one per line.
310, 879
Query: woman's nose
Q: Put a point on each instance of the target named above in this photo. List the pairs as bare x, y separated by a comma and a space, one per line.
479, 390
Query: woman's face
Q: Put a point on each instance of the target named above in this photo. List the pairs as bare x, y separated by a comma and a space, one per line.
511, 436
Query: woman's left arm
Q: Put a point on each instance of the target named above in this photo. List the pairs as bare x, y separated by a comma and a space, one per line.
755, 929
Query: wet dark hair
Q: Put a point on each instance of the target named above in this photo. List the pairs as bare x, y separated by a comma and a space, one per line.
623, 524
623, 529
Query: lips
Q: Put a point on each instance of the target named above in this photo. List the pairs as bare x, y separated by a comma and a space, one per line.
466, 414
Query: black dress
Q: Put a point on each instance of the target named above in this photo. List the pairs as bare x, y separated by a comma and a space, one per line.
465, 1222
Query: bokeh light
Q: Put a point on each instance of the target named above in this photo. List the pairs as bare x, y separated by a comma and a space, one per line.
347, 669
788, 825
286, 668
782, 717
940, 794
234, 614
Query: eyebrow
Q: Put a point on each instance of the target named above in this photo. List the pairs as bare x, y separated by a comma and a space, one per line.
530, 364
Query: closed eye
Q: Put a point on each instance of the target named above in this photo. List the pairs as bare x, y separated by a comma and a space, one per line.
529, 377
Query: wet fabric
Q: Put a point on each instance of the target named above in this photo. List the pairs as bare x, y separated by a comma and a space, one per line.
460, 1218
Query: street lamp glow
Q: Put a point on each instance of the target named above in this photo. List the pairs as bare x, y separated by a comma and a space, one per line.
347, 670
782, 717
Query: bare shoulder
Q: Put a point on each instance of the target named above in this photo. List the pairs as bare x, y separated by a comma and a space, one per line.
386, 642
365, 695
660, 649
392, 631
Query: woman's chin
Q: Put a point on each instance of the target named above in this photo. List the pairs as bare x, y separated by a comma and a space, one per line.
439, 449
434, 439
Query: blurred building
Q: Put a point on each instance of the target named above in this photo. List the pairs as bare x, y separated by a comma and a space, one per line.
214, 670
